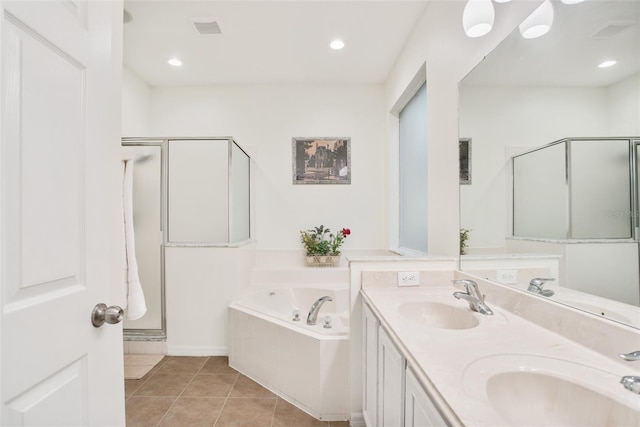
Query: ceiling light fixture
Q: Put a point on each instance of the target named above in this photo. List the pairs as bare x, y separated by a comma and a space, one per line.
478, 17
539, 22
607, 64
336, 44
175, 62
502, 1
571, 1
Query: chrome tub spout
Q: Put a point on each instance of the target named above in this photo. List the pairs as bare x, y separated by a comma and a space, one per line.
315, 308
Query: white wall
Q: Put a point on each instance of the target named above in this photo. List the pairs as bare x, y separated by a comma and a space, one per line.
136, 108
623, 102
265, 118
200, 284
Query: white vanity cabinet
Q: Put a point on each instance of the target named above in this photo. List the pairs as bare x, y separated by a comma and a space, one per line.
419, 411
390, 382
370, 327
391, 395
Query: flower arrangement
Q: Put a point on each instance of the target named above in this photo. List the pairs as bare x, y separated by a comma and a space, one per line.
321, 241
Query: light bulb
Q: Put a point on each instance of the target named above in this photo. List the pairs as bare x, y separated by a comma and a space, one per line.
337, 44
539, 22
478, 17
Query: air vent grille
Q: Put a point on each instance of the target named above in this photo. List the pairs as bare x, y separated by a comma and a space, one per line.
206, 26
612, 29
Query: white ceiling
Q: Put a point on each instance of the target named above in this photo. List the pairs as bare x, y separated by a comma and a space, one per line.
569, 54
267, 41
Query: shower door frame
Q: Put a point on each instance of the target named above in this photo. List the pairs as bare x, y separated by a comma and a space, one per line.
131, 334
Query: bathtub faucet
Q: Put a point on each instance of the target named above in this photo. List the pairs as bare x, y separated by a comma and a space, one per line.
315, 308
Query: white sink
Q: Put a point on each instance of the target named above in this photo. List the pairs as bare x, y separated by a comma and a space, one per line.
439, 315
545, 391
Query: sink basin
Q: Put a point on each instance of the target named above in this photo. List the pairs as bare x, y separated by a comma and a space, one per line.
438, 315
544, 391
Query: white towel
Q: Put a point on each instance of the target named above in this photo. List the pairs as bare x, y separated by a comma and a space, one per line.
136, 305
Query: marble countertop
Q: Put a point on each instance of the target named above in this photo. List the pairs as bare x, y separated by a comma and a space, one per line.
451, 363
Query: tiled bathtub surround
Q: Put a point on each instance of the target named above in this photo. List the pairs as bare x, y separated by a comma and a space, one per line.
526, 329
205, 391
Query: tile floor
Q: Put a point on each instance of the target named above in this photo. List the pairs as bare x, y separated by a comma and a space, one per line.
205, 391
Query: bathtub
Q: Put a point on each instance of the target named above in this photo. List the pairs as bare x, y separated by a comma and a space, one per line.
306, 365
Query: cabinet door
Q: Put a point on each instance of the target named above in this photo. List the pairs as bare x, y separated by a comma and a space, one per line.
390, 381
419, 410
370, 366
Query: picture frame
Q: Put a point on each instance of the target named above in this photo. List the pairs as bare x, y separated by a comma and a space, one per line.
321, 160
464, 154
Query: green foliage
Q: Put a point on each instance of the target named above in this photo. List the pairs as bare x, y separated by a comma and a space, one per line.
464, 236
320, 240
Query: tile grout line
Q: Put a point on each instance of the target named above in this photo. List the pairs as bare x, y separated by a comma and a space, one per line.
152, 372
275, 407
181, 393
226, 399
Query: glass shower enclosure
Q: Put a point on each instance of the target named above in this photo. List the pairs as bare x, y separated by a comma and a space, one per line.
188, 192
577, 188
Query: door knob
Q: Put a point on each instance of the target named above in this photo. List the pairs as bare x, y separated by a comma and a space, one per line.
111, 315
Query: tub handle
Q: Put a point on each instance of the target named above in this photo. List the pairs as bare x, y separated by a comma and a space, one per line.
327, 322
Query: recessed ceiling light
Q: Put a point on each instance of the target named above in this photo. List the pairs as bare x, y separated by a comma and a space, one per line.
337, 44
606, 64
175, 62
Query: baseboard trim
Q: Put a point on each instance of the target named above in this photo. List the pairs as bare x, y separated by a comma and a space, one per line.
180, 350
357, 420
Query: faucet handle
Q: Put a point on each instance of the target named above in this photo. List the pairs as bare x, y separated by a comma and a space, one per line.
630, 357
468, 284
539, 281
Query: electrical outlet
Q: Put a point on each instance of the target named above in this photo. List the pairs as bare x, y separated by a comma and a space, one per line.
509, 277
408, 278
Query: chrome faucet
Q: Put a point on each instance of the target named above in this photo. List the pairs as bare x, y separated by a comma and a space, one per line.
536, 285
631, 382
315, 308
473, 296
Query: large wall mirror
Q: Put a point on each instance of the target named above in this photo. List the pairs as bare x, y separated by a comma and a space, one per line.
529, 93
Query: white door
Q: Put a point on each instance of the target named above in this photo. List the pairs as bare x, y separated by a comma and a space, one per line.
59, 252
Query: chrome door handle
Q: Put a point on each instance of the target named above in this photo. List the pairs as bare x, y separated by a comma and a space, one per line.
102, 314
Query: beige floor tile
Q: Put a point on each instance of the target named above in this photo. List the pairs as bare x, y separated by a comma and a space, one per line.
339, 424
161, 384
245, 387
247, 412
193, 412
218, 365
181, 365
287, 415
130, 386
146, 411
210, 385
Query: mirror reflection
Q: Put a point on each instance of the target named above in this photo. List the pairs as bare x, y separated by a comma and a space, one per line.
550, 92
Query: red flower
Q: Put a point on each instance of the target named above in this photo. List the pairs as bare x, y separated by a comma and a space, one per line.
346, 231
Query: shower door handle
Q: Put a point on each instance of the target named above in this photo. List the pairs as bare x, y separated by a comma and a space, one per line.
102, 314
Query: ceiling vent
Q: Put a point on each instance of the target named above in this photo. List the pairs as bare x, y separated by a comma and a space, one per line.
612, 29
207, 26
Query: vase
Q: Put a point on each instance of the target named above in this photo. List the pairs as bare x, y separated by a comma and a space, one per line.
322, 260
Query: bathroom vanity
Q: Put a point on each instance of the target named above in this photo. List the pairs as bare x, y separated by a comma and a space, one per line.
429, 360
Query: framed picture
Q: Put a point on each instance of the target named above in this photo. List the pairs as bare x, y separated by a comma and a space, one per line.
464, 146
322, 160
